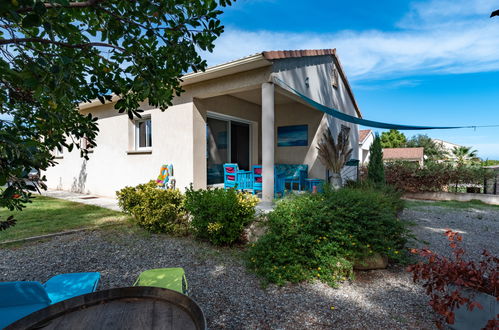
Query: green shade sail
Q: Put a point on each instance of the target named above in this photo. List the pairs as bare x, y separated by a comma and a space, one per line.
364, 122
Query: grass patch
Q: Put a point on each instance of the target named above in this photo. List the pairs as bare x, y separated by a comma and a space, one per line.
50, 215
473, 204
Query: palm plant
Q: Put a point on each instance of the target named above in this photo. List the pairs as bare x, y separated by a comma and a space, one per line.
464, 155
334, 154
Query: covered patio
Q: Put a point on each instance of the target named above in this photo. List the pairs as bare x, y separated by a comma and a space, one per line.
261, 126
244, 116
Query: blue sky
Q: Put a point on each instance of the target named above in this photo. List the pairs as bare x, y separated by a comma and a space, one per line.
432, 62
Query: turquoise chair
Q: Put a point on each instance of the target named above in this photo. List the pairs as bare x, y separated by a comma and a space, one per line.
294, 174
19, 299
236, 178
65, 286
279, 181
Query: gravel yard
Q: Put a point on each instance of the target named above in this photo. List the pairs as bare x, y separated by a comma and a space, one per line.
232, 298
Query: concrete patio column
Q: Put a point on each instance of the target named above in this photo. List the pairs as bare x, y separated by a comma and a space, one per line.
268, 141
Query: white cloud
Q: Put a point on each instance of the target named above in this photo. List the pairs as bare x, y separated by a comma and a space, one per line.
439, 36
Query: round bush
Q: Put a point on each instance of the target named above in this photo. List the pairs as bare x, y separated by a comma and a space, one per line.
220, 215
321, 236
157, 210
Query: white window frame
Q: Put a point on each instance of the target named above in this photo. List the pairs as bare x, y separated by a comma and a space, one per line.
137, 133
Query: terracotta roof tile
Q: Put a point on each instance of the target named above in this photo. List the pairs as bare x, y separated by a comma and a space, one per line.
279, 54
403, 153
363, 133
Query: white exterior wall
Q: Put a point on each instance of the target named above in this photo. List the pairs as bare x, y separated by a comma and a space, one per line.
364, 153
111, 168
179, 133
312, 76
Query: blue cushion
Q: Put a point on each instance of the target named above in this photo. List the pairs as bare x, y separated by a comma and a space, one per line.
65, 286
22, 293
18, 299
10, 315
291, 171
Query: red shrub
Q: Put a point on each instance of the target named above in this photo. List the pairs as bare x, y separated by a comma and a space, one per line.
445, 278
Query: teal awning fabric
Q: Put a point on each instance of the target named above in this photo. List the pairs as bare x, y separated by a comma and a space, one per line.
351, 119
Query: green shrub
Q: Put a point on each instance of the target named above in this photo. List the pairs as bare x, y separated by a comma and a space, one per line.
392, 193
375, 167
220, 215
157, 210
321, 236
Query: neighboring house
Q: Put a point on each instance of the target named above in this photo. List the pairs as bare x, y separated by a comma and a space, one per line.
447, 147
404, 154
366, 138
230, 113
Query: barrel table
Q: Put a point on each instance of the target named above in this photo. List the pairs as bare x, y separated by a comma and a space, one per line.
120, 308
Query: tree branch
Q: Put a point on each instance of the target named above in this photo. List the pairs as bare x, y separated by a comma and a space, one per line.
58, 43
76, 4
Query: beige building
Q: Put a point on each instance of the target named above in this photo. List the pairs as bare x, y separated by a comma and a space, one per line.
230, 113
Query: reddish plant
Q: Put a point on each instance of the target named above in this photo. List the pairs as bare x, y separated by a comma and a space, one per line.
445, 279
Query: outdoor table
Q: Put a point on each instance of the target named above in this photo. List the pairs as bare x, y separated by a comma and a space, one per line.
121, 308
313, 182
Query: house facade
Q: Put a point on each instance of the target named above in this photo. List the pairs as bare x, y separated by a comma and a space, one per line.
447, 147
366, 139
235, 112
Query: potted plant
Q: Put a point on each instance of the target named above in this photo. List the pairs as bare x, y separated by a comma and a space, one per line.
334, 154
463, 293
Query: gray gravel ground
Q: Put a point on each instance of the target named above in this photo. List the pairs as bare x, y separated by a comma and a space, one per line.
232, 298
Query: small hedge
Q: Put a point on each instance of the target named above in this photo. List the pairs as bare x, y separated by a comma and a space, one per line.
220, 215
321, 236
157, 210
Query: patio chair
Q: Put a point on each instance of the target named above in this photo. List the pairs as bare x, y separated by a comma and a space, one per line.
236, 178
166, 278
65, 286
294, 174
19, 299
279, 184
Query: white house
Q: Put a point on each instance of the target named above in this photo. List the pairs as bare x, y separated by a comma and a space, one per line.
230, 113
366, 138
447, 147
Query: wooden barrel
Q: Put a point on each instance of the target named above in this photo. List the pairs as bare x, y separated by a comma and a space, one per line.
121, 308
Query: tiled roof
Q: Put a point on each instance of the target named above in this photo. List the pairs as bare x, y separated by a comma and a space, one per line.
403, 153
278, 54
363, 133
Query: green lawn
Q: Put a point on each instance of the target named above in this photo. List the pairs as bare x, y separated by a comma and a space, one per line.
473, 204
50, 215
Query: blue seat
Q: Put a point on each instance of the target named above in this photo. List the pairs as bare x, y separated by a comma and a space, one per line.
65, 286
19, 299
279, 184
293, 174
236, 178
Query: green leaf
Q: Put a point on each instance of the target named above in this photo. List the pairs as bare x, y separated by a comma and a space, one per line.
31, 20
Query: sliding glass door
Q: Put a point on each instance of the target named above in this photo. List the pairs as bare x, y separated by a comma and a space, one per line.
227, 141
